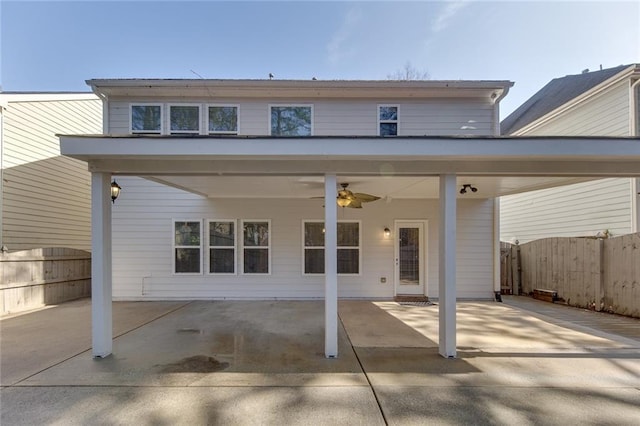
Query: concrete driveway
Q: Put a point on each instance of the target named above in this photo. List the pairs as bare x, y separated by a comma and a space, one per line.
261, 362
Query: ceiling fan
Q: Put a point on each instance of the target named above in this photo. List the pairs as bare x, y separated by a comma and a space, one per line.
346, 198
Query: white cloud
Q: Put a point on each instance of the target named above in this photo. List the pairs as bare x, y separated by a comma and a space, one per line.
450, 10
338, 48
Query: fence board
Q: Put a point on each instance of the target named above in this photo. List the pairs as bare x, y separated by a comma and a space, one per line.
33, 278
586, 272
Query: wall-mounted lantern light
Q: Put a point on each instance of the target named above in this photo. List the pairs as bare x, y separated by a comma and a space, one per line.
387, 232
115, 191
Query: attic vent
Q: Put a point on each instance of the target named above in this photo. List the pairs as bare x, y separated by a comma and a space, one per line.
586, 70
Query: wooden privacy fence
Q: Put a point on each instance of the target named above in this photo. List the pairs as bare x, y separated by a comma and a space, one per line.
600, 274
33, 278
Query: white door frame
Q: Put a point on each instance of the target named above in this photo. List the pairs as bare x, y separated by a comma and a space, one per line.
421, 288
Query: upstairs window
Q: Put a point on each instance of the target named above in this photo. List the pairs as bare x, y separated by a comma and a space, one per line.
184, 119
388, 120
146, 119
223, 120
293, 120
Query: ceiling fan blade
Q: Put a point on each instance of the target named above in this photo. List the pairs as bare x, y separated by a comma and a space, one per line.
355, 204
365, 198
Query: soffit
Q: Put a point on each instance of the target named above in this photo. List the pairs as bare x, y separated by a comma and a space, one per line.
298, 89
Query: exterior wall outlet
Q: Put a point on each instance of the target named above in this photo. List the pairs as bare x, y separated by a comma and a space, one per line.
383, 280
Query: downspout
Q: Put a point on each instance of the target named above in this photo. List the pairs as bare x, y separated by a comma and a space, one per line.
496, 110
634, 118
496, 251
2, 110
496, 206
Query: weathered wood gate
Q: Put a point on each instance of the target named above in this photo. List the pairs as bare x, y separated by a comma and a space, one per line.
33, 278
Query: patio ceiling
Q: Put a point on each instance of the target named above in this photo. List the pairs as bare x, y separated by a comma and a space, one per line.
401, 167
387, 187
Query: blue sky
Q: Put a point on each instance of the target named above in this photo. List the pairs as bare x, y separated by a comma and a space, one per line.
56, 46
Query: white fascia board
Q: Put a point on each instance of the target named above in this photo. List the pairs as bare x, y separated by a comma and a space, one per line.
469, 148
299, 89
577, 157
6, 98
622, 75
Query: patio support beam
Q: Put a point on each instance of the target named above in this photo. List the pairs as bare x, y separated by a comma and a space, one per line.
447, 266
330, 267
101, 295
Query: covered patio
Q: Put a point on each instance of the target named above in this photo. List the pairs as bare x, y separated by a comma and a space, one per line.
507, 165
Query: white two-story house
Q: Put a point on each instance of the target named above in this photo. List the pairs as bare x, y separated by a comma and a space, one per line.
254, 189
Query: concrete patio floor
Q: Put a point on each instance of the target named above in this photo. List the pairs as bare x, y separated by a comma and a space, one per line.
261, 362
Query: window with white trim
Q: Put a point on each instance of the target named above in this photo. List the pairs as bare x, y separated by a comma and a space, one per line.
146, 118
291, 120
222, 119
256, 247
184, 119
388, 120
222, 246
348, 247
187, 246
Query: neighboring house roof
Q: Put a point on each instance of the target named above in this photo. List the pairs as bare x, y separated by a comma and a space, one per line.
556, 93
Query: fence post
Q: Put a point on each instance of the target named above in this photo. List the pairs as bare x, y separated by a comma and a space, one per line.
517, 270
600, 280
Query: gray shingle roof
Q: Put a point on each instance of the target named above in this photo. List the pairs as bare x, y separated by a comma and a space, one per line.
557, 92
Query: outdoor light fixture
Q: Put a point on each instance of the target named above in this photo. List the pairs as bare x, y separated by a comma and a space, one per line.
387, 232
115, 191
343, 202
466, 186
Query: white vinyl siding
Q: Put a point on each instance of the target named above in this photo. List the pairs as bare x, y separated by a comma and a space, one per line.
142, 264
606, 114
430, 117
45, 196
582, 209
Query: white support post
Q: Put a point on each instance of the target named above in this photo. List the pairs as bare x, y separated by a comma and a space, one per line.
496, 248
330, 267
447, 269
101, 295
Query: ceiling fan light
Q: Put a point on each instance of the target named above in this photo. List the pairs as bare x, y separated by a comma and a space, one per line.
343, 202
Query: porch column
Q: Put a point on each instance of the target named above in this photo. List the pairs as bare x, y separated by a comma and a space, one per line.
496, 249
330, 268
447, 266
101, 315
